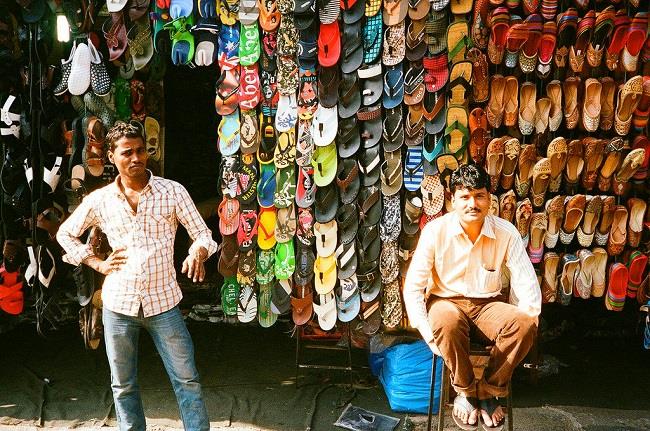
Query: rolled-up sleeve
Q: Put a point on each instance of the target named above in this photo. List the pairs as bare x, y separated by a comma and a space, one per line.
72, 228
417, 279
524, 288
190, 218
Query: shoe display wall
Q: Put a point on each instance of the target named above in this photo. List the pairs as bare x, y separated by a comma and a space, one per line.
340, 123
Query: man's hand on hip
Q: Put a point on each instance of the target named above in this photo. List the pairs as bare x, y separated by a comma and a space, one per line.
112, 263
193, 265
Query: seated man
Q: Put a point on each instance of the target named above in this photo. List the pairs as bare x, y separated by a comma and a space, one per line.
455, 280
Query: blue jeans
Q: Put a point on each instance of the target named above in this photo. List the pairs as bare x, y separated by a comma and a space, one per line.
174, 345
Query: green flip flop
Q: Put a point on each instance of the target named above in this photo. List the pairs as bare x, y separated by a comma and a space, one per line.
285, 187
265, 316
265, 271
249, 44
122, 99
229, 296
285, 260
325, 164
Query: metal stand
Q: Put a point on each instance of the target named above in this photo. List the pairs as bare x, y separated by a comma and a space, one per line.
321, 344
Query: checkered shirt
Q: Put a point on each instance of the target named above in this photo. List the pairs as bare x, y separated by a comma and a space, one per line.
148, 277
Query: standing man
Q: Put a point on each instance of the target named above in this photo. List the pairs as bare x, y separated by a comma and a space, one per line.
453, 292
139, 213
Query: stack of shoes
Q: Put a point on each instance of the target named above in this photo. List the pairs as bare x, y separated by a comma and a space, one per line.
347, 119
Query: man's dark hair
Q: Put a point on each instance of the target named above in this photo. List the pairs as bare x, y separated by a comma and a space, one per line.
123, 130
472, 177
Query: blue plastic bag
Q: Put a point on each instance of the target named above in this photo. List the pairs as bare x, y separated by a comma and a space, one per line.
406, 377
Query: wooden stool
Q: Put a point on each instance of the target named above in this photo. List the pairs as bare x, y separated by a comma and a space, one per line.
474, 351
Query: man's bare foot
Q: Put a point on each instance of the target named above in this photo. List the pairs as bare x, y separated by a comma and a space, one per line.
492, 415
465, 412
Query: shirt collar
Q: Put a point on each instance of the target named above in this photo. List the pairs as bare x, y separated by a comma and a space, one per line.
486, 230
151, 184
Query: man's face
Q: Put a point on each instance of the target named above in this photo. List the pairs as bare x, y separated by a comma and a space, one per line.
471, 205
130, 157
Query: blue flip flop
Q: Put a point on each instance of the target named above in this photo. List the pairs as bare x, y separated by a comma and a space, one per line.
229, 46
266, 185
181, 8
413, 168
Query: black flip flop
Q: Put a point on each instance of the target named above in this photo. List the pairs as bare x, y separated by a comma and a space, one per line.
347, 180
305, 258
328, 84
349, 96
369, 165
327, 203
346, 260
347, 220
490, 405
369, 205
352, 53
348, 140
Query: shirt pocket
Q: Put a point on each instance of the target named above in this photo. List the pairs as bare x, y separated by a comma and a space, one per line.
161, 221
489, 281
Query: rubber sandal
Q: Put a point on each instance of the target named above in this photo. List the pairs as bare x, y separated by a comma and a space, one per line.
285, 189
230, 296
227, 92
286, 224
266, 185
490, 405
247, 230
265, 315
266, 228
461, 402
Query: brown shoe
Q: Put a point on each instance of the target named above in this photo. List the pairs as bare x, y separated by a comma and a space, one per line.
607, 94
511, 102
574, 166
591, 107
571, 109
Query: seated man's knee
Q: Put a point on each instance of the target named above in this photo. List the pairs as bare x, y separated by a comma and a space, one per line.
446, 319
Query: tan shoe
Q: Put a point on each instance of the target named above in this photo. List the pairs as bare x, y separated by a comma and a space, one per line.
542, 110
541, 178
599, 271
571, 107
555, 214
591, 107
511, 153
574, 209
511, 102
527, 108
630, 165
611, 164
527, 159
549, 280
557, 153
554, 92
495, 109
618, 231
636, 208
629, 96
607, 94
507, 205
593, 154
590, 220
494, 162
606, 217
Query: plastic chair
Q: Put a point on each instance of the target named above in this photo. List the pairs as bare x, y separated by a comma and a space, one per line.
475, 350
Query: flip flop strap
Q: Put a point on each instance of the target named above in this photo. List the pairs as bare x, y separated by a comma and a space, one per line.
344, 255
392, 175
371, 235
366, 169
344, 183
464, 42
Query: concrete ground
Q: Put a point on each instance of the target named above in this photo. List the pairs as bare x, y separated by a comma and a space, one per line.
593, 380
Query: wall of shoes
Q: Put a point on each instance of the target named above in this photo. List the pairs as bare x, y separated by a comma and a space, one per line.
53, 134
342, 120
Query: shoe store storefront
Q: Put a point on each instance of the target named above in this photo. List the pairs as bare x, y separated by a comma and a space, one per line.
317, 138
